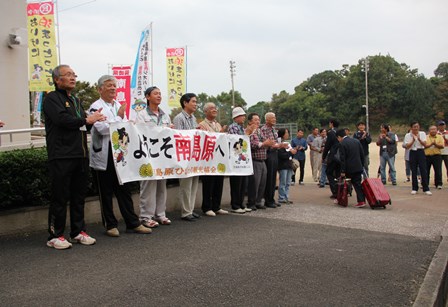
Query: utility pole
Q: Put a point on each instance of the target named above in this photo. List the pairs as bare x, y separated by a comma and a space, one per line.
232, 74
366, 69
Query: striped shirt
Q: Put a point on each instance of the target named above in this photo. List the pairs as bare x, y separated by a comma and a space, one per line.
185, 121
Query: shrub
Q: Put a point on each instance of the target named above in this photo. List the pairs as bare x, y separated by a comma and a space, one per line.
25, 180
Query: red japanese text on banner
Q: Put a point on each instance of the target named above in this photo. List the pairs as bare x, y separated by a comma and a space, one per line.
123, 76
175, 66
42, 53
145, 152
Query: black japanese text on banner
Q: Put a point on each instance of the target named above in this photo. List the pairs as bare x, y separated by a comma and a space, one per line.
144, 152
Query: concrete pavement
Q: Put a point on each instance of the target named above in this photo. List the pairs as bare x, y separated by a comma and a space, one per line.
311, 253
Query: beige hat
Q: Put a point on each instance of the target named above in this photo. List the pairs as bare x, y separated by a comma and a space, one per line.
238, 111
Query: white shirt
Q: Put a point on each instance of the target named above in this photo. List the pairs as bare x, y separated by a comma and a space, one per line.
416, 145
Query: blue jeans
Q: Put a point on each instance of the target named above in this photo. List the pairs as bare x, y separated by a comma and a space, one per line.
323, 174
285, 182
384, 158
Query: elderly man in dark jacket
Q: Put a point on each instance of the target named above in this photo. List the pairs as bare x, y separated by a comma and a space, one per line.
352, 163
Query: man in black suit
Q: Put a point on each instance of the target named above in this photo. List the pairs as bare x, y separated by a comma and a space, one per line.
352, 163
330, 149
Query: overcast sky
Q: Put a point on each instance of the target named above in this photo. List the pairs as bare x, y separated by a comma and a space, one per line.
276, 44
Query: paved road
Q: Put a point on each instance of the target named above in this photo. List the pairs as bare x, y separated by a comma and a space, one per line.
227, 260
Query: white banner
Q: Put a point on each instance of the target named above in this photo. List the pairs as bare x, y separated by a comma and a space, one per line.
144, 152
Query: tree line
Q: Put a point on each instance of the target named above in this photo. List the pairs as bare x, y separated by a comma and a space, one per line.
398, 94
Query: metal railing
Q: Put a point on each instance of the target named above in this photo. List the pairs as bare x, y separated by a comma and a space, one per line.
37, 138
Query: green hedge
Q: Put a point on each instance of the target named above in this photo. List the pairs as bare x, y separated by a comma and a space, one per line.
24, 180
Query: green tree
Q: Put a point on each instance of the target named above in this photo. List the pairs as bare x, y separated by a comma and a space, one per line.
418, 100
86, 93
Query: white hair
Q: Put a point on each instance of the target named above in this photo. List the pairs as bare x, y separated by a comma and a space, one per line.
208, 105
269, 114
105, 78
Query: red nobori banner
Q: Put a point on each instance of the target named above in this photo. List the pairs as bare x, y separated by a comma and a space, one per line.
123, 75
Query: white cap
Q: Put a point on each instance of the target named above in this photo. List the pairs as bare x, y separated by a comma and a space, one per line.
238, 111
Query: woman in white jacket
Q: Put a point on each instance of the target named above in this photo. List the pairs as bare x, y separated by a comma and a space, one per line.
102, 161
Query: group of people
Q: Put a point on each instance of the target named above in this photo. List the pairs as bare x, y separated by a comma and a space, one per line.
70, 160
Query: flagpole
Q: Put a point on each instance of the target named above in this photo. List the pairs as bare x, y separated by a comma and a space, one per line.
152, 59
186, 69
59, 39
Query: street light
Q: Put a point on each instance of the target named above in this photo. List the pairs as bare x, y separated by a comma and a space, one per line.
232, 74
366, 69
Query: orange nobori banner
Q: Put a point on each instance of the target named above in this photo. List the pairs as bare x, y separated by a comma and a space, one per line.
176, 75
42, 53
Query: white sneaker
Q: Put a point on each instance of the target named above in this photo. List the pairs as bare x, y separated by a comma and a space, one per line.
428, 193
84, 239
439, 187
210, 213
59, 243
221, 211
413, 192
239, 210
247, 209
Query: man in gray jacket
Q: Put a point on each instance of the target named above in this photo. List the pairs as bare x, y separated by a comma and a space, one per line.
102, 161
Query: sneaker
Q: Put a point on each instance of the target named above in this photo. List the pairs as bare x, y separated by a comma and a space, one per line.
253, 208
439, 187
282, 201
289, 201
150, 223
413, 192
394, 183
239, 210
210, 213
140, 229
301, 183
59, 243
260, 207
222, 212
83, 238
361, 204
428, 193
247, 209
113, 232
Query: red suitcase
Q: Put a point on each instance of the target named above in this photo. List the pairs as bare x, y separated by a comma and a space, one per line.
376, 193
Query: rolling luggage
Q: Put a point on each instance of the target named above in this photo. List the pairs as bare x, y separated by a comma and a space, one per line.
343, 191
375, 193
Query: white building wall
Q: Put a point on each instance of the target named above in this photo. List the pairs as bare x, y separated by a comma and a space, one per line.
14, 95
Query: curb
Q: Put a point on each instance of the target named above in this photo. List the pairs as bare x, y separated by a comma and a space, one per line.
434, 289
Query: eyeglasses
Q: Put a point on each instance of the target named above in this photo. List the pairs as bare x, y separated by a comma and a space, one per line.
69, 74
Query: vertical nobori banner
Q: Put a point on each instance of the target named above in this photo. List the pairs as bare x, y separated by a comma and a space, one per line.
176, 75
123, 75
42, 54
141, 76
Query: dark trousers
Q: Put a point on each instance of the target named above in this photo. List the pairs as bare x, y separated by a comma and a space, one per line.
108, 186
445, 161
333, 172
68, 184
417, 159
257, 184
356, 183
238, 186
302, 171
436, 162
271, 177
212, 192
